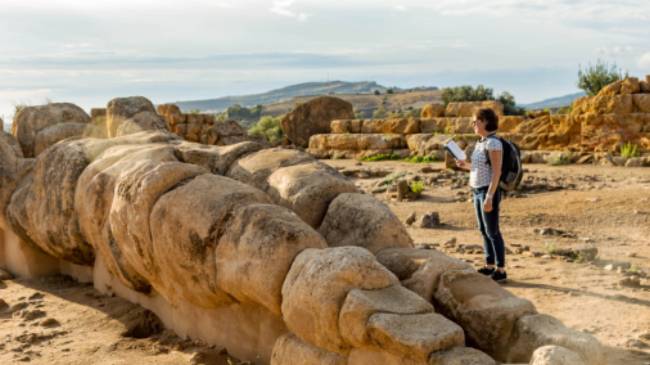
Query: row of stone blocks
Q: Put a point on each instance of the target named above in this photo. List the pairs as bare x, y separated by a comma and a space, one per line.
296, 264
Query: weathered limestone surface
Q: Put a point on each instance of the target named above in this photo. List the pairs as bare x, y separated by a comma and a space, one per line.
55, 121
314, 117
361, 220
202, 127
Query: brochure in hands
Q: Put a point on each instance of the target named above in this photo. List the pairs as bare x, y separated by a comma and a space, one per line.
455, 150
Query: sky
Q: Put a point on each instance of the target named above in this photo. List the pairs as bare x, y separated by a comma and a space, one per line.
87, 52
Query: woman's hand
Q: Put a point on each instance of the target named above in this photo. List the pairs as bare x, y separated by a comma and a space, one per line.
487, 205
462, 164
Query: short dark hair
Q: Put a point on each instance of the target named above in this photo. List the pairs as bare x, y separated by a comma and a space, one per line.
489, 117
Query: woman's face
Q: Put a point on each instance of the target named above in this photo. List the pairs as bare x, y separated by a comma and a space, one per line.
479, 127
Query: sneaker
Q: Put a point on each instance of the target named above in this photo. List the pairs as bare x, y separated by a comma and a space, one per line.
499, 276
486, 271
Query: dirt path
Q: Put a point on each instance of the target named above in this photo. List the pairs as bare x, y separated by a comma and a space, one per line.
608, 208
57, 321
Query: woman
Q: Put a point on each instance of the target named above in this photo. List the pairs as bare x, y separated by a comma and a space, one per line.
484, 180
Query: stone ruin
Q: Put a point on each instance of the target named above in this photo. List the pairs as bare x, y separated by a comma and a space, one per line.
266, 252
619, 114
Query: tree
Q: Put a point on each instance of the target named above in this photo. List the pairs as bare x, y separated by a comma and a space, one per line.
597, 76
509, 105
466, 93
268, 127
377, 92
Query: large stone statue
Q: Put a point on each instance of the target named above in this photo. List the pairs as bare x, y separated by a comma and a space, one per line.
267, 252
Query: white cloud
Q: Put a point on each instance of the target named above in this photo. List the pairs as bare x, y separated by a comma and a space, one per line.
644, 61
282, 8
400, 7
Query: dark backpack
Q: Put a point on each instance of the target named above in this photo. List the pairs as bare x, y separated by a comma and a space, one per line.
511, 169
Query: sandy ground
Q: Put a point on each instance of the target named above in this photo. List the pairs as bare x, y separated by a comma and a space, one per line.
57, 321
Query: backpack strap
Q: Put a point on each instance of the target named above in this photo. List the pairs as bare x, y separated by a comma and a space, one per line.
487, 154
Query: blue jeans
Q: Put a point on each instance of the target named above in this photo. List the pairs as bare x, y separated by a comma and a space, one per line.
488, 224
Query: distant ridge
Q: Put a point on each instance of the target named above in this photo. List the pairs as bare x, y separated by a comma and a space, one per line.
283, 94
556, 102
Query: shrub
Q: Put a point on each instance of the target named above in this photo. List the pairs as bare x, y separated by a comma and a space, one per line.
597, 76
416, 187
481, 93
559, 160
421, 159
379, 113
381, 157
629, 150
466, 93
509, 105
377, 92
268, 127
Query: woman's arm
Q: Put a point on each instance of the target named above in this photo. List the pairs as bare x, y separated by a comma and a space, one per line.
496, 159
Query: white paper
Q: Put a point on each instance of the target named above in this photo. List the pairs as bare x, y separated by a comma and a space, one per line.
455, 150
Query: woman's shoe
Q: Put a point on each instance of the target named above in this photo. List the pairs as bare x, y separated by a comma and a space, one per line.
487, 271
499, 276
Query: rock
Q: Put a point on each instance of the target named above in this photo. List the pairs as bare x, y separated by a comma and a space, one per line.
226, 133
555, 355
360, 305
211, 357
634, 162
138, 187
419, 270
416, 335
430, 220
57, 132
94, 197
142, 323
30, 315
357, 142
410, 219
316, 286
140, 122
630, 282
467, 109
31, 120
630, 85
308, 189
6, 275
255, 168
361, 220
42, 210
119, 110
460, 356
534, 331
433, 111
256, 235
50, 322
390, 126
3, 305
289, 350
642, 102
186, 225
583, 253
487, 312
633, 343
346, 126
314, 117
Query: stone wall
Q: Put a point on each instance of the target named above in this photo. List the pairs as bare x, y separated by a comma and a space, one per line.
266, 252
202, 128
619, 114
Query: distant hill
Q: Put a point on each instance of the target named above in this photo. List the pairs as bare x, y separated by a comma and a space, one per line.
284, 94
557, 102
